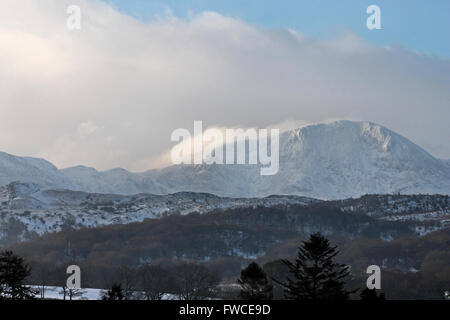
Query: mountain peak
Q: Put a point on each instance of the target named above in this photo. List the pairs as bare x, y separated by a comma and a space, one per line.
333, 160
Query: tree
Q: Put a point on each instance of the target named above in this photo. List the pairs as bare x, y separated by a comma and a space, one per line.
71, 293
127, 279
13, 273
195, 282
314, 275
371, 294
155, 282
115, 293
41, 277
254, 284
276, 270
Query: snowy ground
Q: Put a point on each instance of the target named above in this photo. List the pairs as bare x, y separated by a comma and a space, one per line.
56, 293
51, 292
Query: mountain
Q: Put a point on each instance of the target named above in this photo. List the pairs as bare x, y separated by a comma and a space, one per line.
210, 227
328, 161
27, 169
28, 210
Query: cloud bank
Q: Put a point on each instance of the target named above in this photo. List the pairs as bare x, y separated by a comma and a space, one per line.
109, 95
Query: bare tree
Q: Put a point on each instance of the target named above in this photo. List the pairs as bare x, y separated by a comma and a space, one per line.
43, 277
195, 282
154, 282
126, 277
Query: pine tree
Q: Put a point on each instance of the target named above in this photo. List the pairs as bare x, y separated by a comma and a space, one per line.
314, 275
254, 284
13, 273
115, 293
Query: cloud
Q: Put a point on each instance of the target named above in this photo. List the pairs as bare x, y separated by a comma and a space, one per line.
110, 95
87, 128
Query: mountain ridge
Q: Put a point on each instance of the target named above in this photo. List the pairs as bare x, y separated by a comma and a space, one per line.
333, 160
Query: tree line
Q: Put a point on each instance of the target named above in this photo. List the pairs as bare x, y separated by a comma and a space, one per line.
313, 275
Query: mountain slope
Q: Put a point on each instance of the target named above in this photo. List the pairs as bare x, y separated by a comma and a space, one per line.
345, 159
28, 210
328, 161
27, 169
247, 232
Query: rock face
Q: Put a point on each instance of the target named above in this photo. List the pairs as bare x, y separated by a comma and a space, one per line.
328, 161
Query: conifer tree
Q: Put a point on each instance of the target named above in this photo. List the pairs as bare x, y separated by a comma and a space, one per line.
254, 284
13, 273
314, 275
115, 293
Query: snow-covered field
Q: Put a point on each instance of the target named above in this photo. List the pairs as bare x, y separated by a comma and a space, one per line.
57, 293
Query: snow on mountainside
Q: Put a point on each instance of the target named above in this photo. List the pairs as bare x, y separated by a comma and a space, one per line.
27, 210
13, 168
345, 159
329, 161
118, 181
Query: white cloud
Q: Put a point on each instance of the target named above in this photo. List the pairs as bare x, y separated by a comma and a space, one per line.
87, 128
110, 94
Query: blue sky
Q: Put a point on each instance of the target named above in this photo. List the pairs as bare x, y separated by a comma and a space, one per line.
415, 24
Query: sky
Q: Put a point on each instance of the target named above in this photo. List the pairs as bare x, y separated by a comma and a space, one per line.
111, 93
415, 24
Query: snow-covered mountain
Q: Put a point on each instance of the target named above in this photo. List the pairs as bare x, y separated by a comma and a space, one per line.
27, 169
329, 161
246, 226
28, 210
